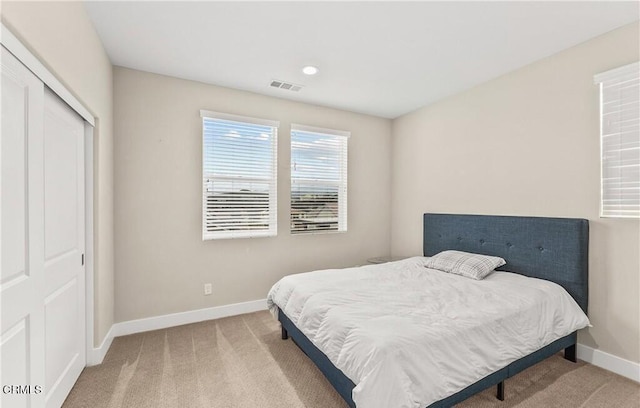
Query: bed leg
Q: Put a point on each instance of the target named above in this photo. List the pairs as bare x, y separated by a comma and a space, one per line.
570, 353
285, 335
500, 393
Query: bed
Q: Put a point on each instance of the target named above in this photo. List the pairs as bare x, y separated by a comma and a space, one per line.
549, 249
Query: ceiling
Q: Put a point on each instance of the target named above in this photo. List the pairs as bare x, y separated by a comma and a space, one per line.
378, 58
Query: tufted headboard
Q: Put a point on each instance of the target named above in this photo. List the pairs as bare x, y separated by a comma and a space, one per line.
555, 249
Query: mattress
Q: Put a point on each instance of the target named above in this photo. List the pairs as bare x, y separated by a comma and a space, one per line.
408, 336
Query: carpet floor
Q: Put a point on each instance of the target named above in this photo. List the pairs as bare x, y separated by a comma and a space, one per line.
241, 361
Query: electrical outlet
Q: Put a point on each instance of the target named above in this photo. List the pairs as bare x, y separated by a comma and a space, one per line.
207, 289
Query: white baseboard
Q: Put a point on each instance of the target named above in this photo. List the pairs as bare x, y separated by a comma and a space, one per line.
171, 320
609, 362
192, 316
97, 355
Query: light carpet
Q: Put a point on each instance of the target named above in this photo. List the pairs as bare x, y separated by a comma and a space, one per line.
241, 361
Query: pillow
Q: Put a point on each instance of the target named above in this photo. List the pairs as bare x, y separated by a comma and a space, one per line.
473, 266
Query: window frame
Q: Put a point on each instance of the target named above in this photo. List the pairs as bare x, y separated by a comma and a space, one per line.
270, 179
610, 77
342, 184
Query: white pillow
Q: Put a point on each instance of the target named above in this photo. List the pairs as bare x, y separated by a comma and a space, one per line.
467, 264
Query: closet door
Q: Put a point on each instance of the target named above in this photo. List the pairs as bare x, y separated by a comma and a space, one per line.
64, 280
42, 219
22, 336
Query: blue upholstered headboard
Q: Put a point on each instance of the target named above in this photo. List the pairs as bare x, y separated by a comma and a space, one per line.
555, 249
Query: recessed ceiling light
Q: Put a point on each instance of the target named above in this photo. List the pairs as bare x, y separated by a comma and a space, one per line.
310, 70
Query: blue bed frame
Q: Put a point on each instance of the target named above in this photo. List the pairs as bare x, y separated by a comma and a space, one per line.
555, 249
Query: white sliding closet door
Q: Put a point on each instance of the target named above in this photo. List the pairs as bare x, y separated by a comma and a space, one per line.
64, 286
42, 284
22, 216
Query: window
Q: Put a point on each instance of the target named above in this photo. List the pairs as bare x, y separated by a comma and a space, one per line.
620, 141
318, 180
239, 176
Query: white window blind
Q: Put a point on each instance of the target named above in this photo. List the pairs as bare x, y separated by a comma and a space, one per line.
239, 176
318, 179
620, 141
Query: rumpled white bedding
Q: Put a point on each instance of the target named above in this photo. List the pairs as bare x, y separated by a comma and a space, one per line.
408, 336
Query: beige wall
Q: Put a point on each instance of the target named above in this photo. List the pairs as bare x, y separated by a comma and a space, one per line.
62, 37
527, 143
162, 262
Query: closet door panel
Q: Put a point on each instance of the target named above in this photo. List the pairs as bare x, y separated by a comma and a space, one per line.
22, 333
64, 280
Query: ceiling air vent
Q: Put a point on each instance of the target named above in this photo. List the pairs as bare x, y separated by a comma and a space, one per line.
285, 85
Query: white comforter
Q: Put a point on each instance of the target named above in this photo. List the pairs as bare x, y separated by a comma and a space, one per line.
408, 336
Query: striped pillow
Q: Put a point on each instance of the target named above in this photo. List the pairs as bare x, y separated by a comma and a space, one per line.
473, 266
